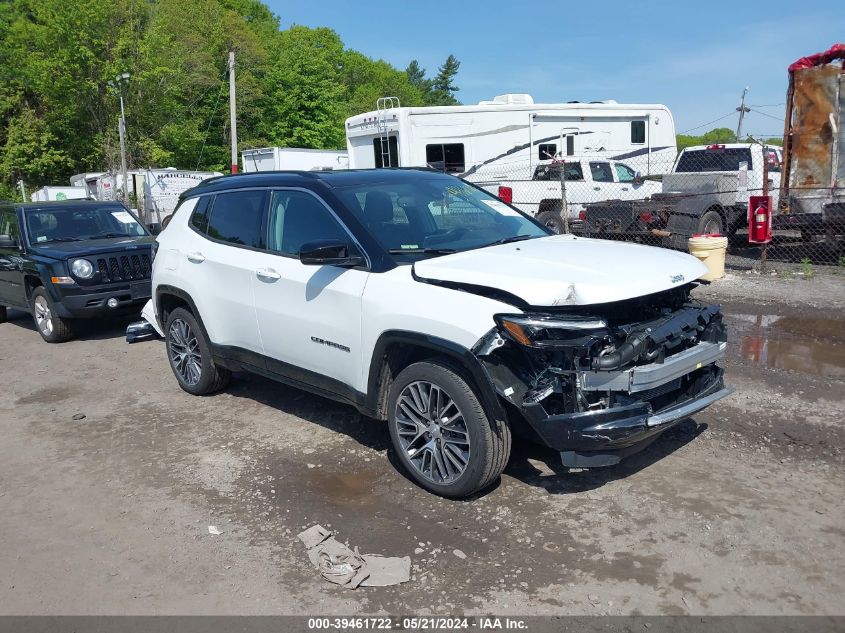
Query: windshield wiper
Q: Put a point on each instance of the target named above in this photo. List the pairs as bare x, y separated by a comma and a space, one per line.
104, 235
61, 239
508, 240
421, 251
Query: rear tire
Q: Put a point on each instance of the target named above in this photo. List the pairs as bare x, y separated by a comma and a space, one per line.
441, 433
551, 220
50, 326
189, 354
711, 223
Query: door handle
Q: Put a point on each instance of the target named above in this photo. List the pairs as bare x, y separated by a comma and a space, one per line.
267, 274
196, 258
596, 188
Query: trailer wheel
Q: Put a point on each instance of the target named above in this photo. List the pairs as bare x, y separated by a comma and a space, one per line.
551, 220
711, 223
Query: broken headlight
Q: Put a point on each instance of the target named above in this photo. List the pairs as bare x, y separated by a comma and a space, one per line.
545, 330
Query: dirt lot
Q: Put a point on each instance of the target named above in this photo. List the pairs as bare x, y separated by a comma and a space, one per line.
738, 511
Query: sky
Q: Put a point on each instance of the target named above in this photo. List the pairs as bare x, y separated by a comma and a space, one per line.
695, 57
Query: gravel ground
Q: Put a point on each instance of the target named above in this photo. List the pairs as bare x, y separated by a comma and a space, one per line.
737, 511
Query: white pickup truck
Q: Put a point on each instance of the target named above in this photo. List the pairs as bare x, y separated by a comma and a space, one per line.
706, 192
588, 180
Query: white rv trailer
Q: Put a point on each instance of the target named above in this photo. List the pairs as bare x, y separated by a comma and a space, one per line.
507, 138
281, 158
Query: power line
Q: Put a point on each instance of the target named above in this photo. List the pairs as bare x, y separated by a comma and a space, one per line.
768, 105
776, 118
708, 123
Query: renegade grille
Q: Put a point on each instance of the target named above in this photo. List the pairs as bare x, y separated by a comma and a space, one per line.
124, 267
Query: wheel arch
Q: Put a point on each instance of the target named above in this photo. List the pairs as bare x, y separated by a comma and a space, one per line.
396, 349
555, 205
168, 298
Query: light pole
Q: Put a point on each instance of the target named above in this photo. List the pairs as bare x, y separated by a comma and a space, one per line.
119, 81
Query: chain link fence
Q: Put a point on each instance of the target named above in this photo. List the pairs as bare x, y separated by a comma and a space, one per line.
661, 200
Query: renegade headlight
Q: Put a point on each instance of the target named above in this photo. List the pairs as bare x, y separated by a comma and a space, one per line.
542, 330
82, 268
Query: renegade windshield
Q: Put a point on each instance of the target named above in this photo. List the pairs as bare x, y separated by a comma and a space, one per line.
428, 215
74, 223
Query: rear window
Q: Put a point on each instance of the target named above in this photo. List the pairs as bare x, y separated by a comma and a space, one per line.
717, 159
551, 171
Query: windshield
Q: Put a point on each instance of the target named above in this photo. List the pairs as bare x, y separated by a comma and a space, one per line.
77, 223
434, 215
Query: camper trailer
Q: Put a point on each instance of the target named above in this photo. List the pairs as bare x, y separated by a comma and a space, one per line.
511, 135
509, 143
297, 158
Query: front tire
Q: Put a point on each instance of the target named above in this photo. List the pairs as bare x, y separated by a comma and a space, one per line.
190, 357
50, 326
441, 433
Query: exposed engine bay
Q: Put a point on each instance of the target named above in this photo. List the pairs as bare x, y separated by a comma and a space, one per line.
658, 349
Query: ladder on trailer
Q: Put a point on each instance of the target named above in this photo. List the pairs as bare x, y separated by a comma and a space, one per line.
383, 106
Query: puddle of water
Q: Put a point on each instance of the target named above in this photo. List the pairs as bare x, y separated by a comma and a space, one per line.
343, 487
807, 345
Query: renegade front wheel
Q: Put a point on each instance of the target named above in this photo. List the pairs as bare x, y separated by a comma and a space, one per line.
190, 355
442, 434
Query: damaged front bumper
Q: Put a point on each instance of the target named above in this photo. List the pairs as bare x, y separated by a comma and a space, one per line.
602, 438
600, 396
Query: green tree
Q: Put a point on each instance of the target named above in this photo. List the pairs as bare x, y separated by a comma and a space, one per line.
59, 115
306, 98
443, 86
713, 137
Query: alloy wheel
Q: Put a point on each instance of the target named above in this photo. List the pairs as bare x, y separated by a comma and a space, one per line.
432, 432
43, 316
184, 352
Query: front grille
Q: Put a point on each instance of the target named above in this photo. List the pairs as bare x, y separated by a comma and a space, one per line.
124, 267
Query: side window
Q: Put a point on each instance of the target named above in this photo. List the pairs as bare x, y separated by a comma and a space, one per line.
297, 217
199, 218
638, 132
625, 173
9, 224
237, 217
448, 158
570, 146
601, 172
546, 151
386, 154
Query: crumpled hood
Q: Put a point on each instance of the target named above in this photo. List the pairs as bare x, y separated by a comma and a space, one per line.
562, 270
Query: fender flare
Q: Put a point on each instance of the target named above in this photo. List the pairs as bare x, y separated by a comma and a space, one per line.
464, 358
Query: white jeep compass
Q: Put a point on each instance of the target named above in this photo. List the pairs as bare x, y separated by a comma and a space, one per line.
424, 301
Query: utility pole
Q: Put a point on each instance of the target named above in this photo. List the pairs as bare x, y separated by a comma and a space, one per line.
232, 117
121, 79
742, 109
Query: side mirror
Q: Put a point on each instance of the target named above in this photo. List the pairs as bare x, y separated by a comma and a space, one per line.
155, 228
7, 241
329, 253
638, 179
